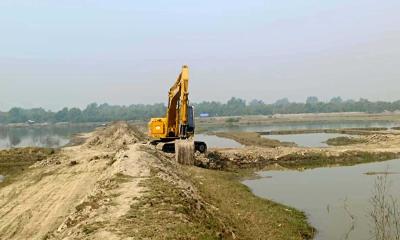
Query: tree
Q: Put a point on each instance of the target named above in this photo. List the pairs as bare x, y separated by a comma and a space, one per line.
312, 100
336, 100
75, 115
61, 116
282, 102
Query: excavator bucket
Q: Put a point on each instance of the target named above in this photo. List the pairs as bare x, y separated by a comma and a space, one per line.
184, 151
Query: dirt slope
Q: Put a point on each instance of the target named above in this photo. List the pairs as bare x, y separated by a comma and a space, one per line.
79, 185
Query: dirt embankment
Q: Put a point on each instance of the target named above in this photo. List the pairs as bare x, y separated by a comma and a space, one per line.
115, 186
59, 196
367, 148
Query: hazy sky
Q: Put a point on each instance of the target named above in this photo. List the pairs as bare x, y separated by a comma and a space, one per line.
56, 53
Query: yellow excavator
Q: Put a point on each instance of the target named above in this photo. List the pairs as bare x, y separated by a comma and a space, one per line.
179, 120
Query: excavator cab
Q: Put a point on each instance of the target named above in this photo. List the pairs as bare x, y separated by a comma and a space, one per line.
191, 125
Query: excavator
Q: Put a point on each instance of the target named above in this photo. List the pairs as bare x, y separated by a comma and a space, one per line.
179, 121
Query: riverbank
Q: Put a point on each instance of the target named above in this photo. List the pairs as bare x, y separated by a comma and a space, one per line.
322, 118
131, 190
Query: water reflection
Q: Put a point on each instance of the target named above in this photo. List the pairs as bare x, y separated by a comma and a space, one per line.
307, 139
44, 136
217, 142
336, 200
305, 125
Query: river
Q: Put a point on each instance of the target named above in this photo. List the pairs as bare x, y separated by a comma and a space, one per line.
45, 136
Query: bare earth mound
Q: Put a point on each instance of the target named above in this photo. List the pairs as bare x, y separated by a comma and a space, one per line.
59, 196
116, 136
115, 186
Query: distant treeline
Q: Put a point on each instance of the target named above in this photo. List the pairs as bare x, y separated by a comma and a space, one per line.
234, 107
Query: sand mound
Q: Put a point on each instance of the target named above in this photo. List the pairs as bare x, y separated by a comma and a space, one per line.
115, 136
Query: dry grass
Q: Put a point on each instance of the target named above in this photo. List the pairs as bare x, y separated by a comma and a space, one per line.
343, 141
17, 160
349, 158
228, 210
166, 213
250, 217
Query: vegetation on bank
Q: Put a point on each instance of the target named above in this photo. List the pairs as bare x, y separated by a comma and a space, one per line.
249, 216
167, 211
321, 159
253, 139
17, 160
234, 107
343, 141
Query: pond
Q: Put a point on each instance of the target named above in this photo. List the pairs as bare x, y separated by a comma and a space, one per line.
45, 136
336, 200
57, 136
217, 142
307, 139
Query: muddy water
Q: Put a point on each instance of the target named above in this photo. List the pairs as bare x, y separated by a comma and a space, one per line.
330, 197
46, 136
307, 140
217, 142
1, 178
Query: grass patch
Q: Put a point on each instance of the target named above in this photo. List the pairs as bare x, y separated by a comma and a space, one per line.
252, 139
349, 158
232, 120
165, 213
250, 217
17, 160
343, 141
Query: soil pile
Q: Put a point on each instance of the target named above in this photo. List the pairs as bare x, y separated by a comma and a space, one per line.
116, 136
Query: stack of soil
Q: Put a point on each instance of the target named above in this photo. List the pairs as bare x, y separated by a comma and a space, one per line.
116, 136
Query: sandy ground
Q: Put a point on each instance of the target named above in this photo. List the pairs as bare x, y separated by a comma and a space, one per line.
62, 195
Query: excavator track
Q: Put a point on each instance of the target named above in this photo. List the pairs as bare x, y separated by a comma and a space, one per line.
169, 147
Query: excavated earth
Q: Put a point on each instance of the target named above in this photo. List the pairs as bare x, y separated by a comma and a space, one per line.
87, 191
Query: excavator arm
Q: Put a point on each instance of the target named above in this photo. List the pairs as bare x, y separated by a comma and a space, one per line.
177, 111
179, 120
